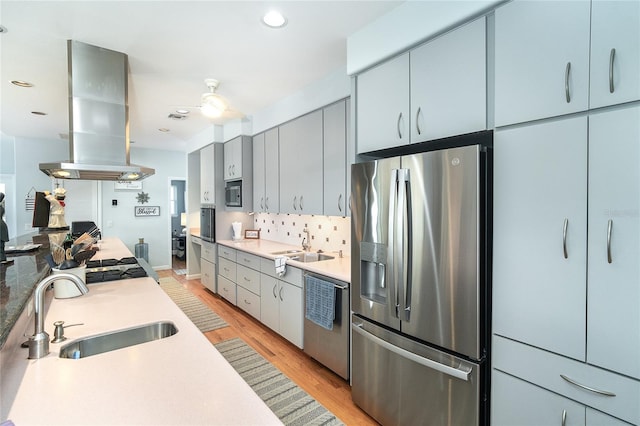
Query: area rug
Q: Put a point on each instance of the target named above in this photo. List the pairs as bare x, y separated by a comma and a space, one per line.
180, 271
288, 401
199, 313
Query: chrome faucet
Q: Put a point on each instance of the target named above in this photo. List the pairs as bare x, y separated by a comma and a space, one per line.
306, 242
39, 342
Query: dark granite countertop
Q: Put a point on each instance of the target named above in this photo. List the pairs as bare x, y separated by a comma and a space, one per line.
18, 279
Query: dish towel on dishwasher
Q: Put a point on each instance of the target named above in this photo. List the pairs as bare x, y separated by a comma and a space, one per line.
320, 298
280, 263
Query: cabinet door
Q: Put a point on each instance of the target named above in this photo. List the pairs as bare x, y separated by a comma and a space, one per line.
382, 110
291, 315
301, 165
515, 402
539, 294
227, 289
449, 84
596, 418
258, 173
207, 175
208, 274
269, 302
615, 52
272, 171
233, 159
613, 332
541, 59
335, 159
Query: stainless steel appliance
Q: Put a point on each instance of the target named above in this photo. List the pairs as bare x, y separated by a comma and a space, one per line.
330, 347
233, 193
208, 224
420, 290
104, 270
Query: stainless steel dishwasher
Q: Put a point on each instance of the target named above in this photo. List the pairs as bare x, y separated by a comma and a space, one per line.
330, 347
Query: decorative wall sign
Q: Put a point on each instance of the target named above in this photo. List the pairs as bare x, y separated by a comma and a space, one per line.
252, 234
142, 211
142, 197
120, 185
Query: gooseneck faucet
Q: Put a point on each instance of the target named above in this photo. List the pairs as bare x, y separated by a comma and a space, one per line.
39, 342
306, 242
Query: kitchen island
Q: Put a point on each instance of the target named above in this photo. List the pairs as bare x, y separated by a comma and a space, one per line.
181, 379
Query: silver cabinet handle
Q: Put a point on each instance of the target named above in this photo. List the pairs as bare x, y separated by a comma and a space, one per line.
398, 125
300, 204
566, 82
274, 290
564, 417
458, 373
612, 56
229, 170
295, 200
417, 122
609, 229
247, 302
280, 293
340, 202
261, 203
590, 389
564, 238
266, 203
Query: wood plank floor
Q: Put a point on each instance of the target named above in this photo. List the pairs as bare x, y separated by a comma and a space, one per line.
321, 383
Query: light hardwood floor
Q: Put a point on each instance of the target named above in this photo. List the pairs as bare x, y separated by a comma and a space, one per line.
321, 383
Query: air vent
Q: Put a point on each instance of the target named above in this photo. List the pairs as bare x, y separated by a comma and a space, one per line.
177, 116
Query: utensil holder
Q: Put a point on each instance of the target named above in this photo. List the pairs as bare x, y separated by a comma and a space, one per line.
65, 289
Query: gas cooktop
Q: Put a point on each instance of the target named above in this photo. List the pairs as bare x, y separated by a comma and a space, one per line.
113, 269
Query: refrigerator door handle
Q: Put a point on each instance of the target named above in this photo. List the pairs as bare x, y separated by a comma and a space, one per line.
458, 373
408, 243
399, 243
394, 303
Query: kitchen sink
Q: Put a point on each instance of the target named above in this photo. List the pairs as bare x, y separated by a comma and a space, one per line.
287, 252
309, 257
106, 342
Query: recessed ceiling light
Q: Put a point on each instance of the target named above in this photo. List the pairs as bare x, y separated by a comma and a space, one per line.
3, 29
274, 19
21, 83
183, 111
164, 129
38, 113
177, 116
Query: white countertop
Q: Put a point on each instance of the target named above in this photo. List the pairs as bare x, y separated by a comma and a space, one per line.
181, 379
338, 268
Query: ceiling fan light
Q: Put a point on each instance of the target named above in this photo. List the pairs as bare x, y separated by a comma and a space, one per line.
211, 110
274, 19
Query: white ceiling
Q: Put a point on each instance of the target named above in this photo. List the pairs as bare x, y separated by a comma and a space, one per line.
172, 47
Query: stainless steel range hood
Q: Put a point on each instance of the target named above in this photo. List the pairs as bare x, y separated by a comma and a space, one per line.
98, 118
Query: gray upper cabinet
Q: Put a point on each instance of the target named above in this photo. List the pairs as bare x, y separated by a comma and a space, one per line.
271, 171
436, 90
235, 153
541, 60
448, 84
300, 155
615, 52
258, 173
382, 112
335, 159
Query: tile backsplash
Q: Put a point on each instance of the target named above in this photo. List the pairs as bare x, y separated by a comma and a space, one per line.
328, 233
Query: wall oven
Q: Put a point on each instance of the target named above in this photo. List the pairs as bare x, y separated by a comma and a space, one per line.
208, 224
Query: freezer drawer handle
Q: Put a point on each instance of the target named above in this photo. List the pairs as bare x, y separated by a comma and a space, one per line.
458, 373
580, 385
564, 238
612, 56
609, 228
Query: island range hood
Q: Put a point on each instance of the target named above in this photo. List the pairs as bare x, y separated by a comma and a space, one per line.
98, 118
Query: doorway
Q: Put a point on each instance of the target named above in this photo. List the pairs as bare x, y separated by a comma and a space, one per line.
178, 231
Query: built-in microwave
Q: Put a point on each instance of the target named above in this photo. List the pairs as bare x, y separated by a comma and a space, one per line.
208, 224
233, 193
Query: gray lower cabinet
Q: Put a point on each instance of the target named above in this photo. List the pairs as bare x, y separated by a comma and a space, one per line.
248, 283
227, 273
208, 265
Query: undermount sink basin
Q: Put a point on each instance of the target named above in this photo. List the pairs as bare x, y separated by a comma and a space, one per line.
106, 342
309, 257
287, 252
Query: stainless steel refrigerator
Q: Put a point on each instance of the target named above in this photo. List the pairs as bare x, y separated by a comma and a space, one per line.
420, 292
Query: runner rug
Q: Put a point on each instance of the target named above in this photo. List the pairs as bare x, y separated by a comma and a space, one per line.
199, 313
288, 401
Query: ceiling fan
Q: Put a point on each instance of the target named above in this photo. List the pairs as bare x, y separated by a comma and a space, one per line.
212, 105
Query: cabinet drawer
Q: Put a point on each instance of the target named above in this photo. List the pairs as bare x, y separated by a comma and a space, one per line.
196, 240
227, 269
227, 253
248, 278
248, 260
208, 274
227, 289
517, 359
292, 275
208, 251
249, 302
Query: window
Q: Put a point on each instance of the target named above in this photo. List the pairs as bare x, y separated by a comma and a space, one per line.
173, 201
